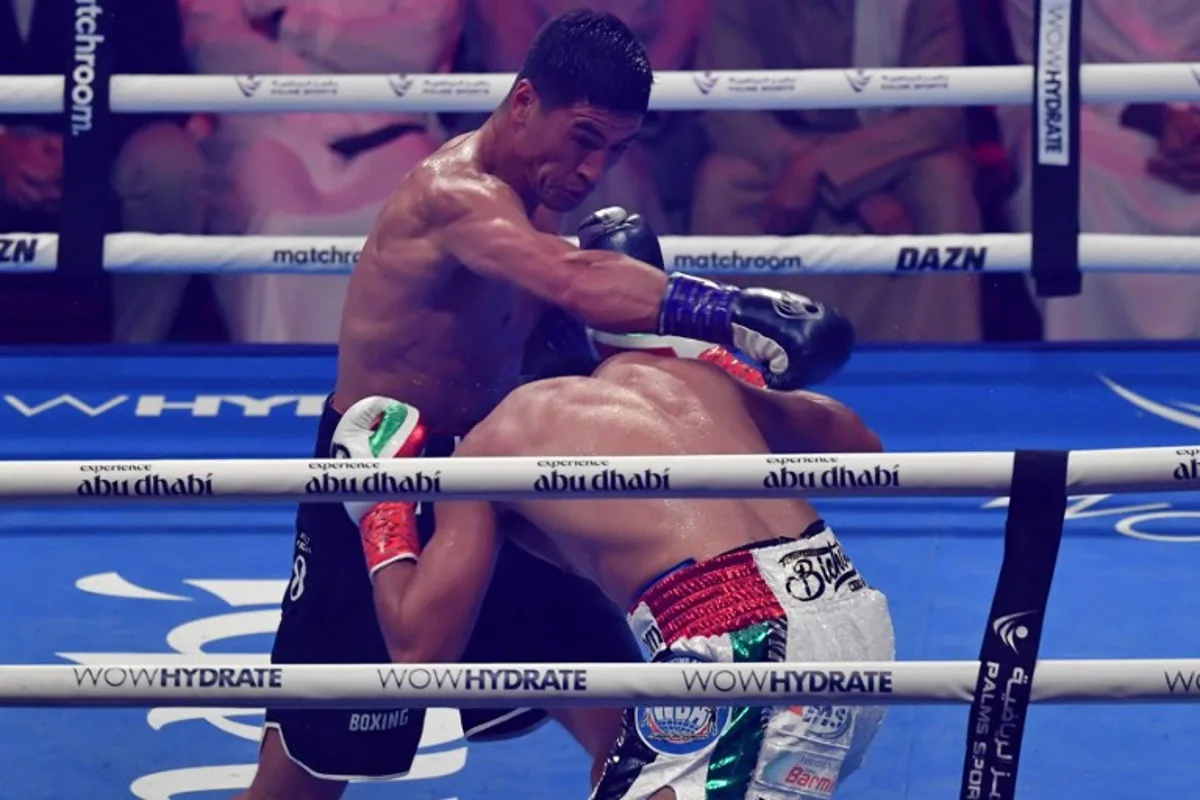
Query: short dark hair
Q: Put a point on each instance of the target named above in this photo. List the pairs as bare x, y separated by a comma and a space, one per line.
589, 57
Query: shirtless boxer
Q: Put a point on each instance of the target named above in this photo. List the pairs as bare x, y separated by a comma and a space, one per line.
461, 265
703, 580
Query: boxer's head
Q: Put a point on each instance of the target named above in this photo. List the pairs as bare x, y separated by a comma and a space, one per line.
577, 104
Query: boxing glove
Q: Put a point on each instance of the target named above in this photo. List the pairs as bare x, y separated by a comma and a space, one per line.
798, 341
559, 345
618, 230
380, 427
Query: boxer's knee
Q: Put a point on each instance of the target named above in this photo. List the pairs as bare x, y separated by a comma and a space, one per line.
280, 778
158, 177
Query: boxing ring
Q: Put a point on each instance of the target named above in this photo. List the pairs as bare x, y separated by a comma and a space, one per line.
197, 585
1081, 472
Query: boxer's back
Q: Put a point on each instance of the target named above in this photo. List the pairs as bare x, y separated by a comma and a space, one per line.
638, 404
417, 324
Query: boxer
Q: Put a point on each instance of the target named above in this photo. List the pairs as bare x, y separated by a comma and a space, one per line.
461, 265
702, 580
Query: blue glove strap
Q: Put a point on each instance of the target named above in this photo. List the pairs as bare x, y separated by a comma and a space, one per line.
697, 309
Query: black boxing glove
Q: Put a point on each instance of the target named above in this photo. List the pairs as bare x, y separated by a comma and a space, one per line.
616, 229
799, 342
559, 346
796, 341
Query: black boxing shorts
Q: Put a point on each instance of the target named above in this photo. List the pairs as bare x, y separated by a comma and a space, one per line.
533, 613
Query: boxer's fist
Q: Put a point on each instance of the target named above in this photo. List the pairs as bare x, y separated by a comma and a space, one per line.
380, 427
559, 345
798, 341
617, 230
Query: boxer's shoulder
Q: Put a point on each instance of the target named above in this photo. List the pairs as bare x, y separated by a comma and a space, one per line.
465, 190
522, 418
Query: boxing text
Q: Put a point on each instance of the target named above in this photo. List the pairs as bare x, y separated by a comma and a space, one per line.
734, 261
146, 486
609, 480
941, 259
995, 727
1189, 468
1182, 682
817, 569
374, 482
832, 478
487, 680
83, 75
792, 681
17, 251
181, 677
1052, 93
383, 721
315, 255
157, 405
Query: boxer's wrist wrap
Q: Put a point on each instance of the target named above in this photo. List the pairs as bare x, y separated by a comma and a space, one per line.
389, 534
697, 309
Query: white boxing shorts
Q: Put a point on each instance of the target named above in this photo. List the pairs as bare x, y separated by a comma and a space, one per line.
775, 601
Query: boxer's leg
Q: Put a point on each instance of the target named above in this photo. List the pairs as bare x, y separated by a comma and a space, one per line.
329, 618
535, 613
280, 778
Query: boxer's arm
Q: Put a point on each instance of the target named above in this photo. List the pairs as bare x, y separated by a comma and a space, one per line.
427, 609
483, 226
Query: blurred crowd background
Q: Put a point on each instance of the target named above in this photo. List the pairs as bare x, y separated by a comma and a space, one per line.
870, 171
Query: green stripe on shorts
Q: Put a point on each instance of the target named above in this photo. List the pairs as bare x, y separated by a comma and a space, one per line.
735, 754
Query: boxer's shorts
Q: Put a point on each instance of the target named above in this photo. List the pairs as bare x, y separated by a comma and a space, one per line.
776, 601
533, 613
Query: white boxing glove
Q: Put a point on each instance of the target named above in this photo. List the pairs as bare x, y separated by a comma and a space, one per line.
380, 427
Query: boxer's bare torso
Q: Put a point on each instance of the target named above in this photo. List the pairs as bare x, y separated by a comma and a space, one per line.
637, 404
418, 325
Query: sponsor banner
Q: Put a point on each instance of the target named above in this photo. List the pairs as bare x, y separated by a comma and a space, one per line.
487, 686
133, 404
673, 91
28, 252
844, 683
395, 93
702, 255
1052, 93
1134, 469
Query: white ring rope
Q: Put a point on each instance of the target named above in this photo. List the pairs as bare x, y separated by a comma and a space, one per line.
612, 685
673, 91
698, 255
1153, 469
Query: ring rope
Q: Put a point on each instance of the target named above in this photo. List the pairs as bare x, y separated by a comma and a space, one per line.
673, 91
698, 255
610, 685
1153, 469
